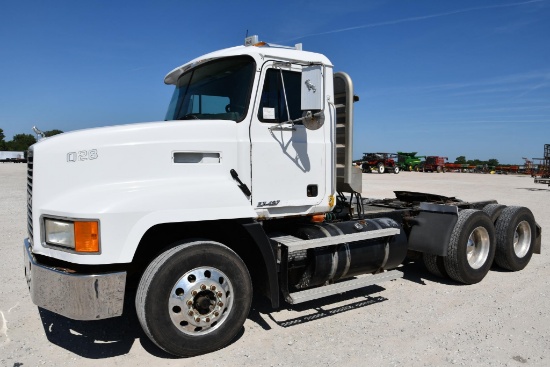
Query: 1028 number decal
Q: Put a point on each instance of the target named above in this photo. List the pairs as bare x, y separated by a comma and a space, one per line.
83, 155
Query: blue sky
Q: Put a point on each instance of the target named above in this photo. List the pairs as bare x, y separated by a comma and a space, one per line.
437, 77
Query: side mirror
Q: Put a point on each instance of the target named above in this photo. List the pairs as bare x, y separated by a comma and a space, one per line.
312, 88
312, 97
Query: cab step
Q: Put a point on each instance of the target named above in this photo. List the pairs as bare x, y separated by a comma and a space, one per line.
340, 287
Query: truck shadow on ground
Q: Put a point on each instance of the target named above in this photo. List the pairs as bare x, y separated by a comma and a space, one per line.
413, 271
109, 338
100, 339
321, 307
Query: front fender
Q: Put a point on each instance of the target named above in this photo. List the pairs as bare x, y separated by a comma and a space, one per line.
127, 210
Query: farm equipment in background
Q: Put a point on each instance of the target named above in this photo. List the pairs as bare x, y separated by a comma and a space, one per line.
434, 163
409, 161
528, 167
542, 174
382, 162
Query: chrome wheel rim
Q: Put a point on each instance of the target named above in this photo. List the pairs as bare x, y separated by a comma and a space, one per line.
477, 248
200, 301
522, 239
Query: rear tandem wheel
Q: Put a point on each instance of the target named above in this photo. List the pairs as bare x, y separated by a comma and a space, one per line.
472, 246
515, 234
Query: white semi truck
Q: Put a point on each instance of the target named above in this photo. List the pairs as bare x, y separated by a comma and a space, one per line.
248, 184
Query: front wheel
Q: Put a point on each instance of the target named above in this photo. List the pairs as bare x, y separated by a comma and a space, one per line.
471, 249
396, 170
381, 167
194, 298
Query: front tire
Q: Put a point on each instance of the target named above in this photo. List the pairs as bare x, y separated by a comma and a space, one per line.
396, 170
381, 167
194, 298
515, 230
471, 249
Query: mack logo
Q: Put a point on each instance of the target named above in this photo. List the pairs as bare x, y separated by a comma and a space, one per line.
310, 87
268, 203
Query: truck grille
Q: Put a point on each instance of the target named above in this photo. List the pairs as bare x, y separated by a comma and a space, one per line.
29, 194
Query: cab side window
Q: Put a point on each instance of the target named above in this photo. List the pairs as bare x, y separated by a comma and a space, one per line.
272, 103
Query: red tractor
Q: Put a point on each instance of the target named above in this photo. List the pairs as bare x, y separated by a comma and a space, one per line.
434, 163
383, 162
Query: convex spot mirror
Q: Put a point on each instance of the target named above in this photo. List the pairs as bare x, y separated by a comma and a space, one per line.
313, 120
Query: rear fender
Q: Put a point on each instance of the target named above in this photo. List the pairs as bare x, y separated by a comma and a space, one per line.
431, 229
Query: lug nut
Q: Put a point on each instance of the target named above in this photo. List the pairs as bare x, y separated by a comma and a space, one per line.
219, 294
190, 313
213, 287
220, 304
194, 293
207, 319
203, 287
216, 314
198, 319
189, 303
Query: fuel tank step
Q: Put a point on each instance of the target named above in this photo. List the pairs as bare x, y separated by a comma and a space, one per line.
328, 290
296, 244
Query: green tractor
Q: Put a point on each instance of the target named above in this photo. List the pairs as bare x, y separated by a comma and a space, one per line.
409, 161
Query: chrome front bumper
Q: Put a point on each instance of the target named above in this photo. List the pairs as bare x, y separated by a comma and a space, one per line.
76, 296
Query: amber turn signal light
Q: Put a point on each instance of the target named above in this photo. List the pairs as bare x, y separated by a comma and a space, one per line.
86, 236
318, 218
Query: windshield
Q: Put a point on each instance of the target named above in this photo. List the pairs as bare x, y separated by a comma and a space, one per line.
218, 90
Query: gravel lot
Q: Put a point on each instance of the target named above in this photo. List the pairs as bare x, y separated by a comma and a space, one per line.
419, 320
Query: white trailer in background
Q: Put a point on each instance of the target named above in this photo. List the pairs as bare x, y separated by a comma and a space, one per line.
14, 157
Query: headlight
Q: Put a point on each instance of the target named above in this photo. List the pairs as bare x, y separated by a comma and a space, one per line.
75, 235
59, 233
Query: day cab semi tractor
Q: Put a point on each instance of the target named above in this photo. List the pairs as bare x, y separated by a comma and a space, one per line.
247, 185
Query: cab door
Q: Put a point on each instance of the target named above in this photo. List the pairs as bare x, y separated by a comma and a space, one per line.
289, 167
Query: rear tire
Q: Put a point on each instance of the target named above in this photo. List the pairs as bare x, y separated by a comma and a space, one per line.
439, 169
435, 265
515, 233
194, 298
494, 211
471, 249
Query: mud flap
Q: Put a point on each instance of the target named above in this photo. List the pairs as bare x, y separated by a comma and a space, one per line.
431, 229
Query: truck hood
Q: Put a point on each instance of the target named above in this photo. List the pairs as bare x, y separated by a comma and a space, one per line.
131, 155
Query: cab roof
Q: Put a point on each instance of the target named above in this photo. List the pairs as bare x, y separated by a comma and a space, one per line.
260, 52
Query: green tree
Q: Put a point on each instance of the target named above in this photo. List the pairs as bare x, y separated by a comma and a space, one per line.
21, 142
461, 159
2, 142
492, 162
52, 132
